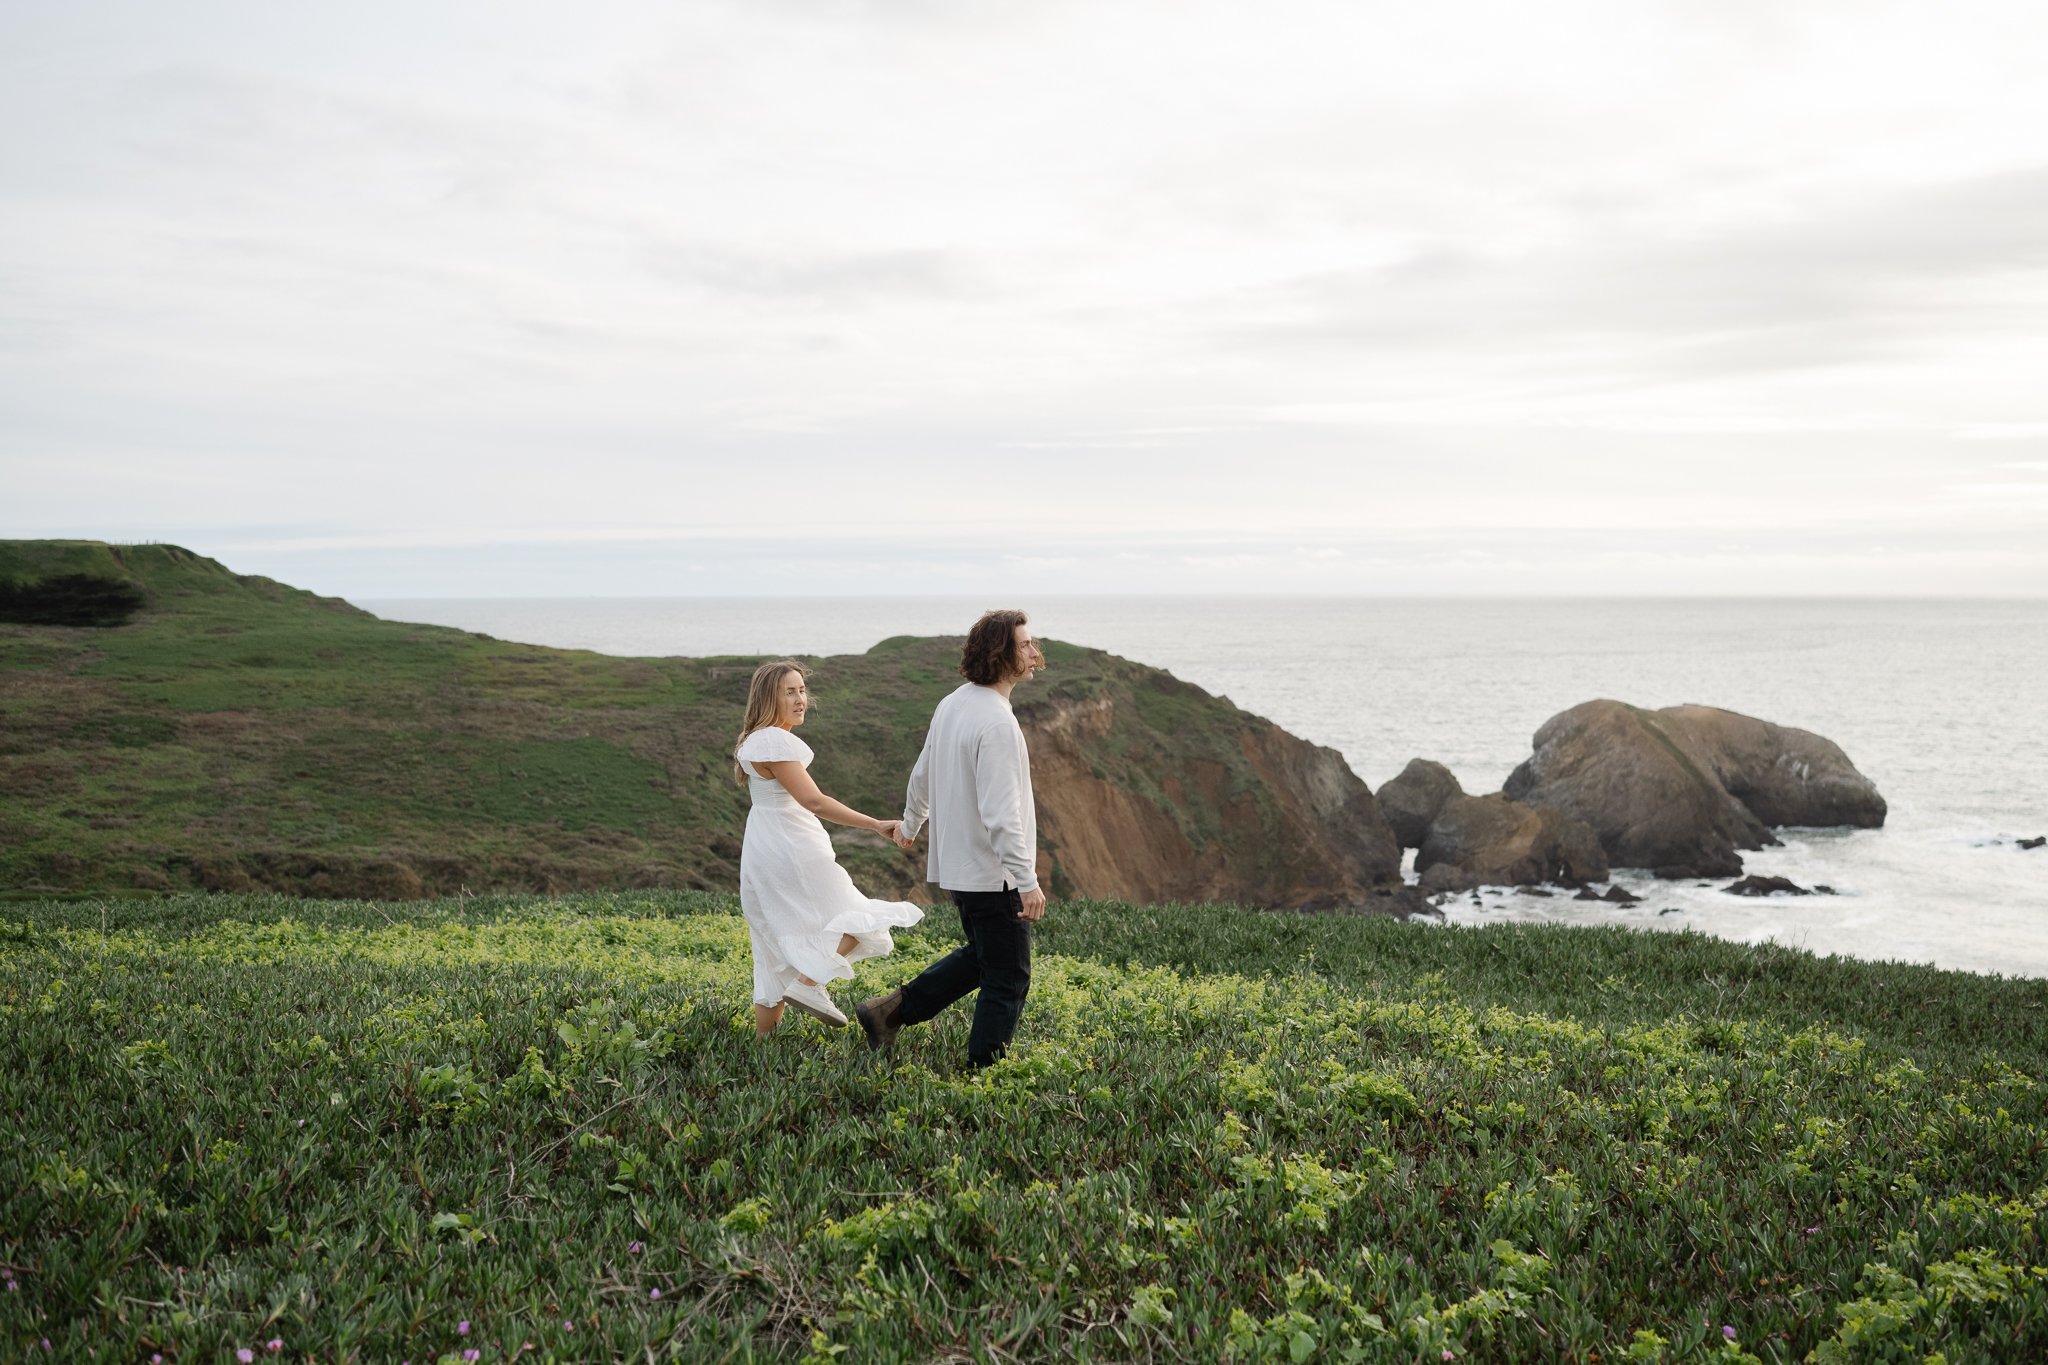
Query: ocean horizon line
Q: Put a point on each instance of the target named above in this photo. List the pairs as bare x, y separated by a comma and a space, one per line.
1858, 598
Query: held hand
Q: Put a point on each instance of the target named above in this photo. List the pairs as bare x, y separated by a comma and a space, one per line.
1034, 905
892, 830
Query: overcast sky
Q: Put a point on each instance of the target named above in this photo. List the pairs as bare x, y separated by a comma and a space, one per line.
420, 299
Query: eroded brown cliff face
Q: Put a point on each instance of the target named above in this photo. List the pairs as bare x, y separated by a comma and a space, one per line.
1110, 842
1216, 805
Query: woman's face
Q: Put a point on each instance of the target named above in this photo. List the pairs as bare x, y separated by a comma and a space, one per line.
792, 699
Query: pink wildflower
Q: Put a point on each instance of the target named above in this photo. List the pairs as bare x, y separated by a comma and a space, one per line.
472, 1354
244, 1354
462, 1328
1728, 1332
568, 1326
634, 1247
274, 1344
654, 1293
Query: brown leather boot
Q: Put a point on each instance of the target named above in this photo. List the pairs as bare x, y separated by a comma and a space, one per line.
881, 1019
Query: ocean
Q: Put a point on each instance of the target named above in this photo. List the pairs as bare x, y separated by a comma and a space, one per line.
1942, 703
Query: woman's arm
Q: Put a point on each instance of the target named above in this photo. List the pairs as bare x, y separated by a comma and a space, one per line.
797, 783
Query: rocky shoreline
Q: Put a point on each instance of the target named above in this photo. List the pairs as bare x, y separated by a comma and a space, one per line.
1679, 792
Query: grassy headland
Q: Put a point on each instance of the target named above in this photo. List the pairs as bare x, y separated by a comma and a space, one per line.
236, 734
358, 1128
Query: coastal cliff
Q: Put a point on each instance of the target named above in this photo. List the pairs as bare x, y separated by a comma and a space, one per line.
197, 728
1195, 801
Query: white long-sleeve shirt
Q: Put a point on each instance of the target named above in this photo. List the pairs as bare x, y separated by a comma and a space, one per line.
974, 780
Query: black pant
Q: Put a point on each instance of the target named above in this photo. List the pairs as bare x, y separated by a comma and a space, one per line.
996, 959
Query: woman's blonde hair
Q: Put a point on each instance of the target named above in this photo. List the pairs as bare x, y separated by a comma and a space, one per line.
763, 704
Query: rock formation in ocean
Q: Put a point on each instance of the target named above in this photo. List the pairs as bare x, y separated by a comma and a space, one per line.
1492, 841
1411, 800
1783, 776
1765, 886
1681, 790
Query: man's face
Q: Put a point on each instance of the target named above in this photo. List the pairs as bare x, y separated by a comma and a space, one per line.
1029, 658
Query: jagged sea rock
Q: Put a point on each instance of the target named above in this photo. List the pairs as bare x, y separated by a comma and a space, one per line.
1616, 768
1782, 775
1765, 886
1412, 800
1492, 841
1680, 790
1400, 901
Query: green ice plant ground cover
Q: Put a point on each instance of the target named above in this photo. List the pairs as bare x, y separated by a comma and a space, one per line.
504, 1129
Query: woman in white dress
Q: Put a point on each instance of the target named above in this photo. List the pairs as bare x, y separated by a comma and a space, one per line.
809, 923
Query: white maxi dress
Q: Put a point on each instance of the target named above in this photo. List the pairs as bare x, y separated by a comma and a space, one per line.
797, 899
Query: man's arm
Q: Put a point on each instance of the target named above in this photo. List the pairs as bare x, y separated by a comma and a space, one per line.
1001, 771
917, 796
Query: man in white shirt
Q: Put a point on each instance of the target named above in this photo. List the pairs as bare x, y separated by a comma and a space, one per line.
974, 781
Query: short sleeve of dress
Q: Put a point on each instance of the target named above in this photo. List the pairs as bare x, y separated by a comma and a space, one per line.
773, 744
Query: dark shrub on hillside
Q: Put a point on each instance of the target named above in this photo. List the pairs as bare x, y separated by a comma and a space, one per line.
73, 599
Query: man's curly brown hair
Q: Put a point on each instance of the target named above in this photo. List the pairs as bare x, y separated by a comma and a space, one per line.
990, 654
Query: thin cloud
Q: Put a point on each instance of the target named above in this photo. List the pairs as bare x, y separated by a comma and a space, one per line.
2006, 493
835, 278
1489, 411
1841, 279
2003, 431
1135, 438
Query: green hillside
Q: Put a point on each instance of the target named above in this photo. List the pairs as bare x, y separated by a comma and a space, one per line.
540, 1129
237, 734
